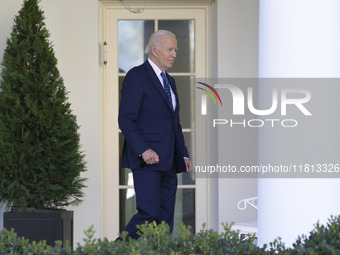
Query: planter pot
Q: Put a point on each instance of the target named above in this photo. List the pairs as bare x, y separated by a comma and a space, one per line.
49, 225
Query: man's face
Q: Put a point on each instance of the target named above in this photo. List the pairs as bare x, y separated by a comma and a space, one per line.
165, 52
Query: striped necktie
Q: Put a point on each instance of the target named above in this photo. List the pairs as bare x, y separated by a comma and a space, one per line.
167, 90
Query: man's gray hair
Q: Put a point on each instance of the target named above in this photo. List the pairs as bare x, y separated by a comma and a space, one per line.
155, 39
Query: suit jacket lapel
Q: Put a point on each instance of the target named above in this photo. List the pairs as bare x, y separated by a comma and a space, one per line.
158, 84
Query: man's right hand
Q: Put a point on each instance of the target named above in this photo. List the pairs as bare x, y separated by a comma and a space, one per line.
150, 157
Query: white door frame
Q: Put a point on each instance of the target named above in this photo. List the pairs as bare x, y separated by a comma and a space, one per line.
109, 13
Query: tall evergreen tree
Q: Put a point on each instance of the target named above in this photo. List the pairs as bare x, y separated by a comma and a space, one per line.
40, 158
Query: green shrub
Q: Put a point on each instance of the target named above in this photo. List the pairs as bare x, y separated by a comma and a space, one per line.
156, 239
40, 157
11, 244
322, 240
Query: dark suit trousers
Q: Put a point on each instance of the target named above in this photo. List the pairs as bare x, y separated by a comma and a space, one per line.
155, 198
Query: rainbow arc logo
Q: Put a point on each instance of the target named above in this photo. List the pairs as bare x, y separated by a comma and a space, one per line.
204, 98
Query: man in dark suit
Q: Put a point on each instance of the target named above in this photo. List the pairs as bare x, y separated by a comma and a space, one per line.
154, 145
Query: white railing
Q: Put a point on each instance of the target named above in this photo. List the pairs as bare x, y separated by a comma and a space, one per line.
246, 228
243, 204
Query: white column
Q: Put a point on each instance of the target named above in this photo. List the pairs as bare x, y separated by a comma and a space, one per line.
298, 38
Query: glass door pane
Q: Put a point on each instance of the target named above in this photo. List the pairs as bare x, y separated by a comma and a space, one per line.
184, 31
186, 89
133, 36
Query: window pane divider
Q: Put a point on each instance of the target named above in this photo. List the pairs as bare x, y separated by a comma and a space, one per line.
172, 74
184, 186
188, 130
182, 74
126, 187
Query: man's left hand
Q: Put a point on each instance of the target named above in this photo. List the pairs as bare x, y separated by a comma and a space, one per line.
188, 165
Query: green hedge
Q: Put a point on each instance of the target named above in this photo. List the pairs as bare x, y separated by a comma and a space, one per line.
156, 239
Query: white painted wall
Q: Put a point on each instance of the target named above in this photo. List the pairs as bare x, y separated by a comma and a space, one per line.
73, 25
237, 57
